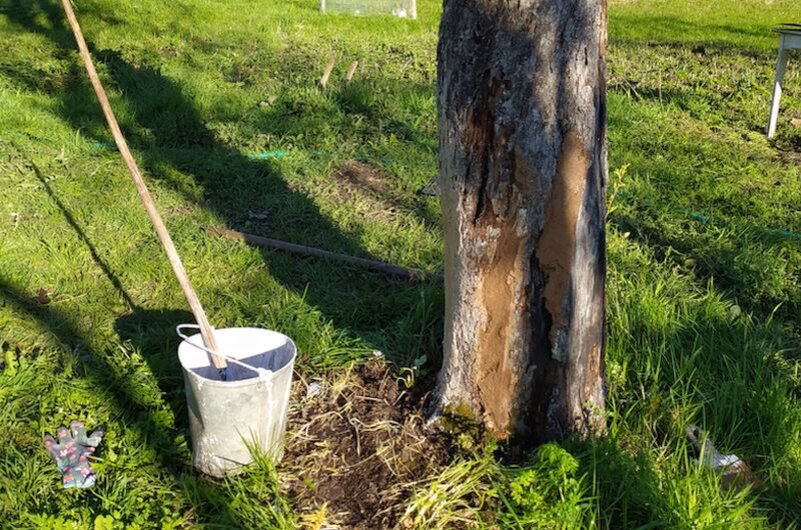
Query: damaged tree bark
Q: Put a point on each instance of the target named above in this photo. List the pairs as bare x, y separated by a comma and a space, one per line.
522, 117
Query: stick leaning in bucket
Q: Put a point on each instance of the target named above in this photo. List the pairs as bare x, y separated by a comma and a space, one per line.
161, 230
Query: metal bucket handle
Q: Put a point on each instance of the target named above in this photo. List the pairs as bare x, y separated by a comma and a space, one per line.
263, 373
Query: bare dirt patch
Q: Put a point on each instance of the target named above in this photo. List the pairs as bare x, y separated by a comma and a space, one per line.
358, 445
363, 177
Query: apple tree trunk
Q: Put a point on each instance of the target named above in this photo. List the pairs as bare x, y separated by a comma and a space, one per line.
522, 122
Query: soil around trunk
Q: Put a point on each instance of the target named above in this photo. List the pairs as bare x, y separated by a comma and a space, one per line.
357, 446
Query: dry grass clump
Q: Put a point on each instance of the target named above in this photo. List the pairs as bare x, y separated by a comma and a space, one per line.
357, 447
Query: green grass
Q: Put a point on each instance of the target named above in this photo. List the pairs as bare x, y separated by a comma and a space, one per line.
704, 252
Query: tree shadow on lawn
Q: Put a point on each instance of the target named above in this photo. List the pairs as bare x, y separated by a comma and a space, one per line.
171, 136
235, 187
698, 104
114, 384
726, 374
739, 265
716, 96
150, 331
663, 31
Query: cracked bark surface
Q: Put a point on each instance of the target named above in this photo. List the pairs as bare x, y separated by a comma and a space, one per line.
522, 117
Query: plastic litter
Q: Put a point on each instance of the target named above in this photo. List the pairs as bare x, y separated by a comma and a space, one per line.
273, 154
432, 188
735, 473
314, 388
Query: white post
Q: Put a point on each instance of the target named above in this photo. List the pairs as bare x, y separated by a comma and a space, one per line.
412, 8
781, 64
322, 6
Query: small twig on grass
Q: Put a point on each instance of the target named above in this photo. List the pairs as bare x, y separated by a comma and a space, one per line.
387, 268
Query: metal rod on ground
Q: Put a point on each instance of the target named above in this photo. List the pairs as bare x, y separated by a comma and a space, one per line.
164, 236
387, 268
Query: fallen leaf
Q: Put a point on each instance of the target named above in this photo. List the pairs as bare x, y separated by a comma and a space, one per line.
269, 101
43, 296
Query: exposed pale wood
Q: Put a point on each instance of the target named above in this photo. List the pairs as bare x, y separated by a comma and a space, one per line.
522, 113
161, 230
387, 268
351, 71
327, 72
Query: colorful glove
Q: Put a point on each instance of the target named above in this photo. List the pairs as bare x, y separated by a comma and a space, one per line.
71, 454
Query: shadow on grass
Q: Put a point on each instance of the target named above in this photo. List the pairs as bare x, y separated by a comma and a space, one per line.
739, 264
153, 333
697, 103
108, 379
662, 31
172, 139
722, 371
698, 88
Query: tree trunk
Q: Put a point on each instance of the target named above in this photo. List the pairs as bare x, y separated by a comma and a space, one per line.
522, 118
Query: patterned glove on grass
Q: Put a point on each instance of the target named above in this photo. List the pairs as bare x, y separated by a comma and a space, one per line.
71, 454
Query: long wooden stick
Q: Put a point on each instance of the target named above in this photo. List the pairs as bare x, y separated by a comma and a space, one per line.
164, 236
387, 268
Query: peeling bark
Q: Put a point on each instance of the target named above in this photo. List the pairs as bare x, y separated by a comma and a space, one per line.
523, 172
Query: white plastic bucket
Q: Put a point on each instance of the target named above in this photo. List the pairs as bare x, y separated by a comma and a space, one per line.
249, 407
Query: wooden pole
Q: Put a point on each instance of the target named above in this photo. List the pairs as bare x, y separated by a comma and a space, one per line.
327, 72
164, 236
351, 71
387, 268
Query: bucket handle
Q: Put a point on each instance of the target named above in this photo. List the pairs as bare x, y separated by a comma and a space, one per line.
263, 373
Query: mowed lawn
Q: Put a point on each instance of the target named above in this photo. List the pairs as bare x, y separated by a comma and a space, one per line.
222, 106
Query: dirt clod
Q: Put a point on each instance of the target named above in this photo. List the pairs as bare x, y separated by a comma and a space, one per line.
357, 447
